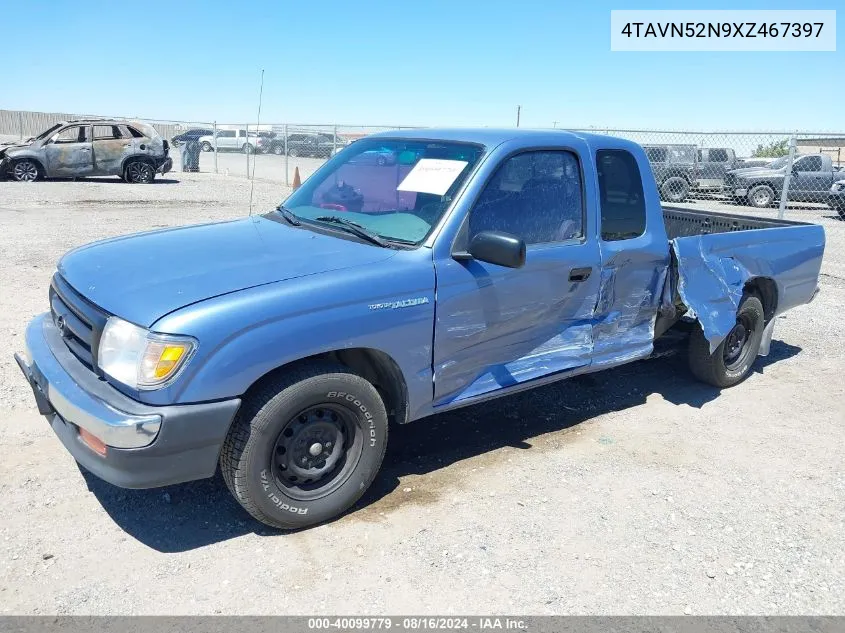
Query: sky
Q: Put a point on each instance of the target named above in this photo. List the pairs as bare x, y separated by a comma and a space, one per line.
435, 62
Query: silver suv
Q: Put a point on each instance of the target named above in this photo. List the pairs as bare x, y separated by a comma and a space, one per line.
92, 147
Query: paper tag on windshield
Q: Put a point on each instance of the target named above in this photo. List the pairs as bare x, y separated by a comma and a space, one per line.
432, 175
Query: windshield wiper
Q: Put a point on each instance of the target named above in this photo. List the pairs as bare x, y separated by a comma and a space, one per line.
355, 229
288, 215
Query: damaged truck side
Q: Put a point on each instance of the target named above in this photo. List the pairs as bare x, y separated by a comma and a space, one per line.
476, 264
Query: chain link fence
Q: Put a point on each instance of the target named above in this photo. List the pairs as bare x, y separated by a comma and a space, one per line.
797, 175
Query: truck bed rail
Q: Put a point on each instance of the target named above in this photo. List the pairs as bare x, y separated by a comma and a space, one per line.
681, 222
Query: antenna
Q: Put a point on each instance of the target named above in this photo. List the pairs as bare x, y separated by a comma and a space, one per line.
257, 132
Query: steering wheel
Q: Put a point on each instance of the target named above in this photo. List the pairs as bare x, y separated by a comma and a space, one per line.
332, 206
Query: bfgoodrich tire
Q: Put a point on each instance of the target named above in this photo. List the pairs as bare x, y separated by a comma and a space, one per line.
732, 360
305, 445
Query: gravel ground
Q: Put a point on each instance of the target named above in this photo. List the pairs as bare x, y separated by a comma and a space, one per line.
635, 490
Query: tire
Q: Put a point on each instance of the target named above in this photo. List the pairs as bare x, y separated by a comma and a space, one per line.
732, 360
262, 456
207, 147
674, 189
139, 172
293, 152
248, 148
26, 170
278, 150
761, 196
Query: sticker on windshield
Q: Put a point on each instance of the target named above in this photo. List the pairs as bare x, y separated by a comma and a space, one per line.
432, 175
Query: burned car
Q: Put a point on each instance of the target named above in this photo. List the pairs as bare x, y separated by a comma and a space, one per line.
92, 147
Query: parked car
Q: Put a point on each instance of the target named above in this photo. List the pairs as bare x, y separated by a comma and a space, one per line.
836, 197
377, 156
190, 135
812, 177
674, 168
133, 151
314, 144
281, 346
712, 165
234, 140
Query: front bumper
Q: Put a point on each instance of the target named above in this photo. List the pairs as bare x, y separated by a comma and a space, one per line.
146, 446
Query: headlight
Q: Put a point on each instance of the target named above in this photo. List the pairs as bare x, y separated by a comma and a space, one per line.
139, 358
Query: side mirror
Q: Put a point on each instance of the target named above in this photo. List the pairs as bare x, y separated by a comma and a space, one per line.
496, 247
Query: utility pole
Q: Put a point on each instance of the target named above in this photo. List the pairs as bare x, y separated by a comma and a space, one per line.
518, 109
554, 124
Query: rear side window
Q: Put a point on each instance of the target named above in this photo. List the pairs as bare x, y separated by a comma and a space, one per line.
134, 132
106, 132
620, 195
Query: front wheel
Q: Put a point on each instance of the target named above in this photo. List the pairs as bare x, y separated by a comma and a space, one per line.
278, 150
305, 445
761, 196
26, 170
248, 148
207, 147
674, 189
731, 362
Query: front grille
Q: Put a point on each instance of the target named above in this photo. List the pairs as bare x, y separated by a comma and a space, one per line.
80, 321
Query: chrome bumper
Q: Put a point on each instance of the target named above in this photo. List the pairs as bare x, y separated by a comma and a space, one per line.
56, 392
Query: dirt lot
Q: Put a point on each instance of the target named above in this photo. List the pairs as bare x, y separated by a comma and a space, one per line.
634, 490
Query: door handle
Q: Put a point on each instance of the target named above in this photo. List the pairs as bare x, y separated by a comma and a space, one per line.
580, 274
84, 149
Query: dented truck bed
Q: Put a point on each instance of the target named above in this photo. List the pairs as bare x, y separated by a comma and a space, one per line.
716, 255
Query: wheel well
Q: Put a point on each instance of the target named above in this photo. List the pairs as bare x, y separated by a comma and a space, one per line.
30, 158
767, 290
768, 184
129, 159
373, 365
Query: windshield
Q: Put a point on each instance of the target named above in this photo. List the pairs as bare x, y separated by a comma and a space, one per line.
397, 189
780, 162
48, 132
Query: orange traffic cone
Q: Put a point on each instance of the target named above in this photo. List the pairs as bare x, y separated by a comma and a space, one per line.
296, 180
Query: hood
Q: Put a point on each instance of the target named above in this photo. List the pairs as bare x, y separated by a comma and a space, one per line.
142, 277
12, 145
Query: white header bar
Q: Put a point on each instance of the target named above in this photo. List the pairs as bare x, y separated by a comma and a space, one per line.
707, 30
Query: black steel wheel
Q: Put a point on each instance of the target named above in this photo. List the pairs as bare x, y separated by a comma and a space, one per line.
316, 451
731, 361
305, 446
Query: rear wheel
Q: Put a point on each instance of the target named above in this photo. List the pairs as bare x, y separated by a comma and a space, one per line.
139, 172
248, 148
278, 150
305, 446
674, 189
761, 196
26, 170
732, 360
207, 147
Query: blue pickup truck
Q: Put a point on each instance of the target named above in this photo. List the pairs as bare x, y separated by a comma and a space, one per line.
472, 265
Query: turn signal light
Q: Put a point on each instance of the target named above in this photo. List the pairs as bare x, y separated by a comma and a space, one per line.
94, 443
